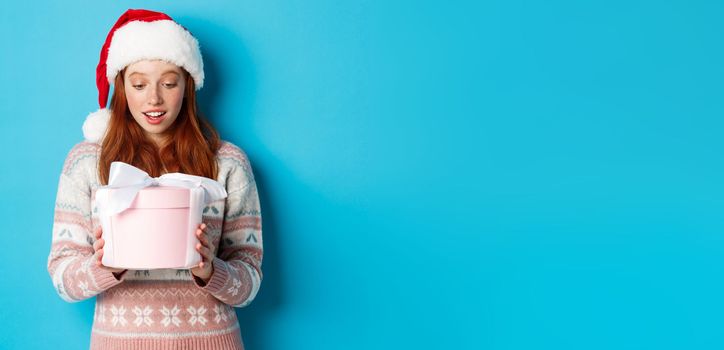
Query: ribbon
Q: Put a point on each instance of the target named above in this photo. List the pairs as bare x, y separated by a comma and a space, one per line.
126, 180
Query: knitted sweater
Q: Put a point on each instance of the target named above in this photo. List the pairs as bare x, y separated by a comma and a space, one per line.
165, 308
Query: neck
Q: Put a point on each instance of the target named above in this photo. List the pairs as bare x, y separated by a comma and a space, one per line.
159, 140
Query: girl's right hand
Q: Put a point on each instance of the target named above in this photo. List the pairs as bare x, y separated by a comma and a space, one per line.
98, 256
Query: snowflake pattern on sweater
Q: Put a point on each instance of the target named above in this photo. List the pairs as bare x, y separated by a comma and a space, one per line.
166, 307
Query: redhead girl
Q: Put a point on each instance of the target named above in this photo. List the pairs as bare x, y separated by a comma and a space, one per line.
155, 67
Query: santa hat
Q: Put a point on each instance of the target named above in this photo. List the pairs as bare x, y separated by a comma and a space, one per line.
140, 35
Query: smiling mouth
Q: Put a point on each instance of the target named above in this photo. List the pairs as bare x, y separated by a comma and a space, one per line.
154, 115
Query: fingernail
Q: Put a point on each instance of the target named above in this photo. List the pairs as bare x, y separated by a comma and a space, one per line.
203, 226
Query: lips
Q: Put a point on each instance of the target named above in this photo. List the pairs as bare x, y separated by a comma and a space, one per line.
154, 117
154, 114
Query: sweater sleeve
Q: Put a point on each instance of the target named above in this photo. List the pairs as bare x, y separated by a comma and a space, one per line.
237, 267
70, 262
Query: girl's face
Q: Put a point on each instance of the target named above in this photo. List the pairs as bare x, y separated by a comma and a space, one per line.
155, 92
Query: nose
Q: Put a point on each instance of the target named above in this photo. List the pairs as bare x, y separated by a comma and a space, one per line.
154, 97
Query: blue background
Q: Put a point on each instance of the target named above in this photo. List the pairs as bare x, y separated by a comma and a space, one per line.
469, 175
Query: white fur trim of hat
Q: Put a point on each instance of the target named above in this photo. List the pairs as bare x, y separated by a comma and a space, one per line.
164, 39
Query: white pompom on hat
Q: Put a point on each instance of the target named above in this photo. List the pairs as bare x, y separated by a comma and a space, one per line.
140, 35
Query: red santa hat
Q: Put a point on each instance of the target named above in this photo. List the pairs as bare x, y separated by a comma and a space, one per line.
140, 35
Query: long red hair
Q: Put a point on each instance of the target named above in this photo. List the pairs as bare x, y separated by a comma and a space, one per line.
191, 147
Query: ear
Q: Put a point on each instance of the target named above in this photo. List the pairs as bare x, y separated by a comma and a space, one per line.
95, 125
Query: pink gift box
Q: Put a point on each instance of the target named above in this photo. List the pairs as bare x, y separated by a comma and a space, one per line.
156, 231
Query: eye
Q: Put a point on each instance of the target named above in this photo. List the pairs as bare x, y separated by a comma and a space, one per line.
138, 86
170, 85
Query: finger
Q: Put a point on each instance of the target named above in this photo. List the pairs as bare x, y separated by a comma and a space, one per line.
203, 237
205, 240
202, 226
205, 252
98, 231
98, 244
99, 257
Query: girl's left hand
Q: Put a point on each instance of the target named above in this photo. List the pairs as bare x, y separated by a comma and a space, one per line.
205, 247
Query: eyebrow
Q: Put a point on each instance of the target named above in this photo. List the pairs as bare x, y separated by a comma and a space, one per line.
164, 73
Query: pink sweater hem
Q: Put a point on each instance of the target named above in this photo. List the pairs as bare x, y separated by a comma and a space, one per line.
228, 341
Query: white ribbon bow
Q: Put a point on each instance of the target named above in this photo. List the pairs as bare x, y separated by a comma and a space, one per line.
127, 180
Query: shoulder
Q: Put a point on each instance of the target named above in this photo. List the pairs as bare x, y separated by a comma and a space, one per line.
230, 150
234, 165
230, 154
82, 155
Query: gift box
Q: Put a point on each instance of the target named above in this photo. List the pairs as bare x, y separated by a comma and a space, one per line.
150, 223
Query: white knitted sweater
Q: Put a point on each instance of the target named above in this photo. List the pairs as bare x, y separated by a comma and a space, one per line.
160, 309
